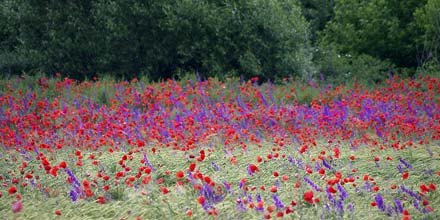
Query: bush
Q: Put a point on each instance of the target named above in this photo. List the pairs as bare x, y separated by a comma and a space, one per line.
343, 68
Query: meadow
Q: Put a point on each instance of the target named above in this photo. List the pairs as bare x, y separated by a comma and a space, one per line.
207, 149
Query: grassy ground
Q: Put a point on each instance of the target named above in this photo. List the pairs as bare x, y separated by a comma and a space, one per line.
146, 201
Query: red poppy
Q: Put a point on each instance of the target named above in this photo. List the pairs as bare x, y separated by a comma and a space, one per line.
63, 165
253, 168
425, 202
405, 175
308, 197
12, 190
164, 190
89, 193
432, 186
332, 190
207, 179
424, 188
366, 177
101, 200
54, 171
192, 167
180, 174
201, 199
270, 208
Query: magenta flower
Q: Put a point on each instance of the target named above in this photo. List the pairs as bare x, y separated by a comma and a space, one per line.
17, 206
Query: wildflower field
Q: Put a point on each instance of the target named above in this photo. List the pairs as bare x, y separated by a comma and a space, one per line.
194, 149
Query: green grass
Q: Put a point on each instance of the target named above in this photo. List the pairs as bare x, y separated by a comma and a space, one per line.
148, 202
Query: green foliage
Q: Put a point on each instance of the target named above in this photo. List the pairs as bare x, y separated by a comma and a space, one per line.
343, 68
270, 39
48, 37
378, 28
156, 38
318, 13
428, 19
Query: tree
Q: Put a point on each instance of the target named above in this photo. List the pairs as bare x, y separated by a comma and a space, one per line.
428, 20
318, 13
379, 28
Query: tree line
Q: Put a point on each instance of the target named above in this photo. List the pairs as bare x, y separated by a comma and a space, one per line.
272, 39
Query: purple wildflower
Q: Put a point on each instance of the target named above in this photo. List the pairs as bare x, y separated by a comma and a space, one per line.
399, 206
312, 184
75, 183
73, 195
344, 193
227, 186
327, 165
407, 165
379, 201
215, 166
411, 193
240, 205
317, 166
210, 196
249, 197
258, 198
416, 204
278, 202
290, 159
249, 170
147, 162
339, 206
240, 184
367, 186
329, 195
299, 163
399, 167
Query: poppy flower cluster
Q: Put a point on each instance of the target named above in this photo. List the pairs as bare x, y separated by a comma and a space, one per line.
224, 143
